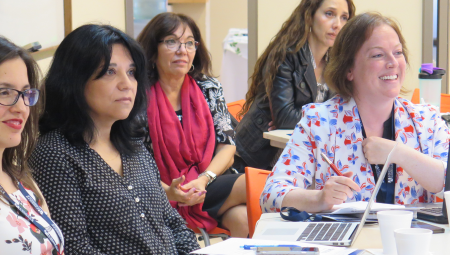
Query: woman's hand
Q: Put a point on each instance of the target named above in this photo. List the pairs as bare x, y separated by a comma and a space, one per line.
376, 149
184, 196
271, 126
337, 189
199, 184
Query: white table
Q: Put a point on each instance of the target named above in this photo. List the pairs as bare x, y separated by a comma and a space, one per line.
370, 237
279, 137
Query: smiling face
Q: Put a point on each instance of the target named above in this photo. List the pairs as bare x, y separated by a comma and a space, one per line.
379, 66
111, 97
13, 74
175, 64
328, 20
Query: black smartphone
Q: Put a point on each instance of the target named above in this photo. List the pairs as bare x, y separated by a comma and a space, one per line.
287, 250
421, 224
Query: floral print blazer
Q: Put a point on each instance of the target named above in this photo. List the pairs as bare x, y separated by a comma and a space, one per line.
334, 127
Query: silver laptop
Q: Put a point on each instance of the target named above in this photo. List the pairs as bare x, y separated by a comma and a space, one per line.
327, 233
437, 212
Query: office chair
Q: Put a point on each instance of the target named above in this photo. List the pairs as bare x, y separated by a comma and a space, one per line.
255, 180
235, 107
415, 99
216, 232
445, 100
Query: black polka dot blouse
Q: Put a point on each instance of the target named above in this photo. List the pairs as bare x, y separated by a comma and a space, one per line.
101, 212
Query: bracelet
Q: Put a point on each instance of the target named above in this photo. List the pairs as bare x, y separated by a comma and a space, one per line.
211, 176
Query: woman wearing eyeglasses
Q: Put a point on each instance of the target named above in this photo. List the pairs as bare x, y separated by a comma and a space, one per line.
25, 226
190, 131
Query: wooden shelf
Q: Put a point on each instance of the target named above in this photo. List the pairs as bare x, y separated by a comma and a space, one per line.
44, 53
187, 1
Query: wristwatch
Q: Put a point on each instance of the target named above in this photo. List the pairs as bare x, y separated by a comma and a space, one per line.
211, 176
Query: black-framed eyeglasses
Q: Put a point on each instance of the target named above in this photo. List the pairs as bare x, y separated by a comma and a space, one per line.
175, 45
10, 96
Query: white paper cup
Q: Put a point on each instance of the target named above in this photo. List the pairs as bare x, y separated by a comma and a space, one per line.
412, 241
390, 221
447, 203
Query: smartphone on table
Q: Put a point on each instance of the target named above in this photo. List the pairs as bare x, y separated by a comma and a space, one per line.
287, 250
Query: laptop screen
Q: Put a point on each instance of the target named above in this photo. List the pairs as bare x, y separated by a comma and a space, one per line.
374, 194
447, 183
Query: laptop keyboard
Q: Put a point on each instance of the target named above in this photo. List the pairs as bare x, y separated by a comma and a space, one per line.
435, 210
325, 232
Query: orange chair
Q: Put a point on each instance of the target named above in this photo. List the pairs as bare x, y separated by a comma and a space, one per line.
445, 100
445, 103
255, 180
216, 232
415, 99
235, 107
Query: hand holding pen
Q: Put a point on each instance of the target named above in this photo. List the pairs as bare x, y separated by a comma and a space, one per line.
338, 188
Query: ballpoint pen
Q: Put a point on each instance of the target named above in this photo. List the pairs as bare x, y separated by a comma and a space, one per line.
333, 166
336, 170
249, 247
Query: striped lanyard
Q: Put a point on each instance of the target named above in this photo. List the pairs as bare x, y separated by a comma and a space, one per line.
39, 210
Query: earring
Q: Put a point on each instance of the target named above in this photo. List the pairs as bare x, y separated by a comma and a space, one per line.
153, 66
192, 68
310, 29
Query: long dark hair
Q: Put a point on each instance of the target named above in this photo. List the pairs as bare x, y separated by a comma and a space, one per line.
293, 34
14, 158
77, 58
165, 24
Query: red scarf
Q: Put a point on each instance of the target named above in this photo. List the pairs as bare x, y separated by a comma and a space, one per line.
182, 150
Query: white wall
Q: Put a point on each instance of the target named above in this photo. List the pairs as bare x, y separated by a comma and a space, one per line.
271, 15
41, 21
111, 12
224, 14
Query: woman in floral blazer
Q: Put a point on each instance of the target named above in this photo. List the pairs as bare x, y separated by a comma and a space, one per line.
368, 84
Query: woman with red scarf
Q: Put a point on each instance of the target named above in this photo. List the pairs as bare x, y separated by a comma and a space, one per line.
189, 126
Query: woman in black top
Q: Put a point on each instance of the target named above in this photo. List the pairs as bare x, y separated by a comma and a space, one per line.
102, 185
287, 76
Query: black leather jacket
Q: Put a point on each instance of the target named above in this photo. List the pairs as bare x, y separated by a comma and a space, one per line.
294, 86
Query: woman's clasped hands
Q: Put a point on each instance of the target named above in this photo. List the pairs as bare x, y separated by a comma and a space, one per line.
191, 193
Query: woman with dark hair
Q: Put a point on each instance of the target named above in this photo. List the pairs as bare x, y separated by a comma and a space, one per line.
101, 183
190, 133
359, 127
24, 222
288, 75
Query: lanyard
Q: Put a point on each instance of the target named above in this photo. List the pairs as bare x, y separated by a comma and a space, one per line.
292, 214
390, 173
387, 190
33, 221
